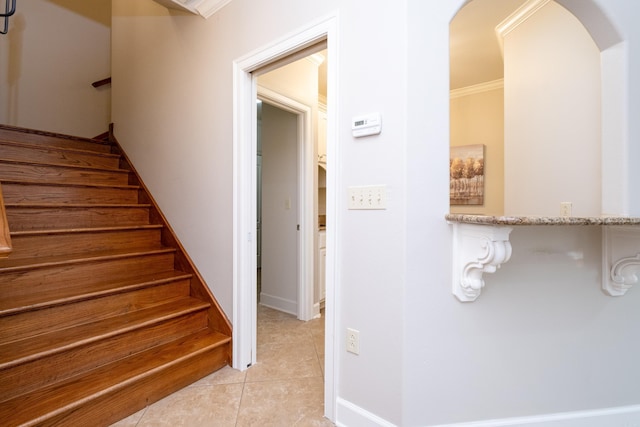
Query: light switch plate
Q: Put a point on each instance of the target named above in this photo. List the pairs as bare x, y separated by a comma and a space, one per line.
368, 197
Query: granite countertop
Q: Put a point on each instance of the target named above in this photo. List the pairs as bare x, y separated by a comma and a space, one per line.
541, 220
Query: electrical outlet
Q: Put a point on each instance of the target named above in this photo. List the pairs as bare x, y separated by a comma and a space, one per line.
353, 341
368, 197
565, 208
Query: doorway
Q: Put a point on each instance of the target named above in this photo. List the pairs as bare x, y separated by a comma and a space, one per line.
245, 194
279, 209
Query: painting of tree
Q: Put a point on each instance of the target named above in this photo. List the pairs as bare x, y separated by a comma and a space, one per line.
466, 175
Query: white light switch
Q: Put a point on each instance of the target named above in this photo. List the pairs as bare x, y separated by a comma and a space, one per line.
368, 197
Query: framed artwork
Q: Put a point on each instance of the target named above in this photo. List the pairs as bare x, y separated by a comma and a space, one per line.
466, 175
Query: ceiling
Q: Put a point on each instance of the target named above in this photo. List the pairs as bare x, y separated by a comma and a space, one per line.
474, 48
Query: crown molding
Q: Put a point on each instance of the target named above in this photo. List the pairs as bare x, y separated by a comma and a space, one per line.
479, 88
518, 17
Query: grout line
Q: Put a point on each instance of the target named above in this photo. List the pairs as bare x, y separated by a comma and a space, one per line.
244, 384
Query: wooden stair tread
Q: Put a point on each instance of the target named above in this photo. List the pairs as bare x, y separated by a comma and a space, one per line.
63, 165
35, 407
76, 206
17, 352
10, 265
32, 146
71, 294
84, 230
45, 138
53, 183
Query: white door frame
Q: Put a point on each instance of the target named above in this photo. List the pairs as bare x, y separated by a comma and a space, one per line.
244, 197
304, 141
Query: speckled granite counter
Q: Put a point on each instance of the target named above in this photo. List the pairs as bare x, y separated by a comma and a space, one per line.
540, 220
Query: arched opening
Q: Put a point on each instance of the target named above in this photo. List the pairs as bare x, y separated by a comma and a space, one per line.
552, 125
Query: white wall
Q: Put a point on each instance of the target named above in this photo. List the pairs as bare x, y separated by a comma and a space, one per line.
53, 52
540, 338
552, 116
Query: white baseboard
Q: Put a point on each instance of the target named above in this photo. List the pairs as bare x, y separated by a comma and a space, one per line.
278, 303
622, 416
350, 415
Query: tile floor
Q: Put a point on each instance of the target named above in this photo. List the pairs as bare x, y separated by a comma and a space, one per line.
284, 388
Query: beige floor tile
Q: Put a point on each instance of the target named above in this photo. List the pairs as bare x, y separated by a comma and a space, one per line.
225, 375
272, 335
131, 420
215, 406
283, 389
283, 403
285, 361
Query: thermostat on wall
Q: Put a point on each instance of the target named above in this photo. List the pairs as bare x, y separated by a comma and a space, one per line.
370, 124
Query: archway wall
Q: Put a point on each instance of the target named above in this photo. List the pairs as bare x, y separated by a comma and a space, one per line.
542, 338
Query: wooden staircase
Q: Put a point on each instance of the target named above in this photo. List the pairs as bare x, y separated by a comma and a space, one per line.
101, 310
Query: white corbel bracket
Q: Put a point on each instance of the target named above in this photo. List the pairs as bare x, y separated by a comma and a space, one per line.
477, 249
620, 259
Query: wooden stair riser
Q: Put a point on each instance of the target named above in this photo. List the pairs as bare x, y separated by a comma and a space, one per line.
30, 218
15, 192
27, 323
57, 367
59, 156
131, 384
89, 274
61, 244
15, 171
53, 141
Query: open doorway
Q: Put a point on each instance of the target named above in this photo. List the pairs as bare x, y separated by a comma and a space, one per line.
277, 208
292, 191
247, 71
